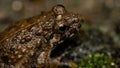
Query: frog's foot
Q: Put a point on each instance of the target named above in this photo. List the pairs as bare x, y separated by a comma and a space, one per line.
57, 61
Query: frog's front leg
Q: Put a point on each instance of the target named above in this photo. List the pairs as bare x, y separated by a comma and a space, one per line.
45, 61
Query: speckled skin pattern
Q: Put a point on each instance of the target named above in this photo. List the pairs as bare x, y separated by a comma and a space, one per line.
29, 42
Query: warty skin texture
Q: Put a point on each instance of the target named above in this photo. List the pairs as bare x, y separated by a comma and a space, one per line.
29, 42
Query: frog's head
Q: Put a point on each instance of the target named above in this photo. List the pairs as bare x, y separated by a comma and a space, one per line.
66, 26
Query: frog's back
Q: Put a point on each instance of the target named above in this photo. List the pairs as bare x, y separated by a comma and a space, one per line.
24, 24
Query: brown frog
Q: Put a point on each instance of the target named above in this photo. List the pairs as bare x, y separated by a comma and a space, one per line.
29, 42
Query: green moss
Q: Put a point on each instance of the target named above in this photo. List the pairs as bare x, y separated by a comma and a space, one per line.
97, 61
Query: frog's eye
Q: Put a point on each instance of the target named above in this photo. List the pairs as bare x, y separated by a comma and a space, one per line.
62, 27
59, 9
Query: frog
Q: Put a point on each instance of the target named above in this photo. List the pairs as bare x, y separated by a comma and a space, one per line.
28, 43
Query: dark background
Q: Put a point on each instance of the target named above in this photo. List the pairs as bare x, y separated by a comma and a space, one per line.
98, 11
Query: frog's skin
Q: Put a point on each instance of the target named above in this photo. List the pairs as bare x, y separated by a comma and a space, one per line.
29, 42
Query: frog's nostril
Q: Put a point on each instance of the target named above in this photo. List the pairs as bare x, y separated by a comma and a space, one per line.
75, 20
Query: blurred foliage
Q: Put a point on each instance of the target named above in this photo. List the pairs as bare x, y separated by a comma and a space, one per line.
97, 61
